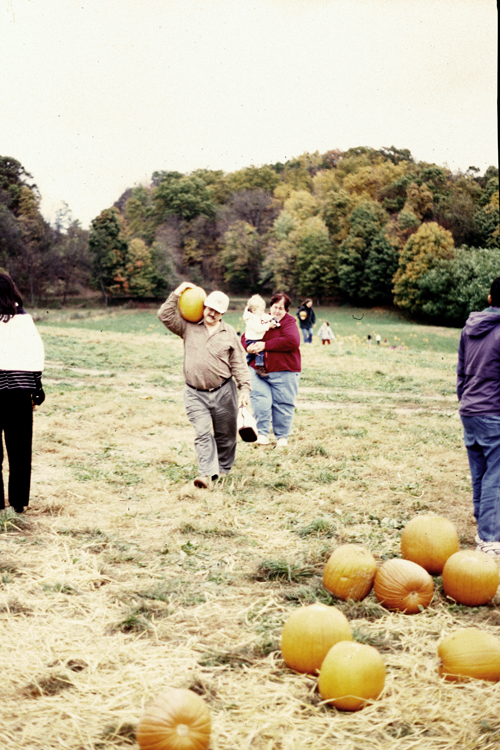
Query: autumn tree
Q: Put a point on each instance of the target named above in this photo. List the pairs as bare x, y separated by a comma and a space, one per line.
429, 244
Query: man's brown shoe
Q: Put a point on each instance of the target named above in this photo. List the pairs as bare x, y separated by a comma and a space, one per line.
202, 483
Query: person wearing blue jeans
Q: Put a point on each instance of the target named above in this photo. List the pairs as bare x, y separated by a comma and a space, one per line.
478, 390
274, 392
273, 401
307, 319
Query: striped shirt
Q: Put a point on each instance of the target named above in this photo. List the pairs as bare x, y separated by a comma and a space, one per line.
18, 379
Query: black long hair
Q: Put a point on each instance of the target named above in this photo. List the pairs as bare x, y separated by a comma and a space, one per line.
495, 292
10, 297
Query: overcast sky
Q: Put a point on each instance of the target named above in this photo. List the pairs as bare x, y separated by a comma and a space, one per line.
95, 95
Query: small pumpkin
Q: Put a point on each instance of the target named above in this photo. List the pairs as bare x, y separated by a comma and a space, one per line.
190, 304
470, 577
177, 720
349, 572
469, 653
429, 541
309, 633
403, 585
352, 675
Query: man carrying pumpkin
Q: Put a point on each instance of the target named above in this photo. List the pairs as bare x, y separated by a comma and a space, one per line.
213, 360
478, 390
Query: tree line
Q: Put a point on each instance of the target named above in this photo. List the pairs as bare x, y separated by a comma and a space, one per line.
369, 226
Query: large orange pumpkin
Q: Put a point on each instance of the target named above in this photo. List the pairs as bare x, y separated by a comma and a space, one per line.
403, 585
349, 572
191, 304
352, 675
470, 577
469, 653
177, 720
429, 541
309, 633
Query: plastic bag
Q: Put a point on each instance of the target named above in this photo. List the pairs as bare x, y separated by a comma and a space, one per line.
247, 426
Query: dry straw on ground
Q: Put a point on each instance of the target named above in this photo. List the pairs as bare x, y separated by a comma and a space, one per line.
122, 578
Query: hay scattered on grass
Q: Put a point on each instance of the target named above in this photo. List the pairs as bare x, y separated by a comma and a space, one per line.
122, 578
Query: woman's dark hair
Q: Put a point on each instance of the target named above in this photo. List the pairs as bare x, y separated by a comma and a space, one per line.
306, 301
281, 296
9, 296
495, 292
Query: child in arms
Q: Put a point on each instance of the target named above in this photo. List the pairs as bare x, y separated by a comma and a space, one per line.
257, 323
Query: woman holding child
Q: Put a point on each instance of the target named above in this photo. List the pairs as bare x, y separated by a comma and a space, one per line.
275, 384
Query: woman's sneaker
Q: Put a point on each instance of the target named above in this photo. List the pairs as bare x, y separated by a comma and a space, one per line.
491, 548
282, 443
262, 440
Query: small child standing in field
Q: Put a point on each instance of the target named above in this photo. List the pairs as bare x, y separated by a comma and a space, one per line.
325, 333
257, 323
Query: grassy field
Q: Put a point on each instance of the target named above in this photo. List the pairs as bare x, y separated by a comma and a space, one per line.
122, 578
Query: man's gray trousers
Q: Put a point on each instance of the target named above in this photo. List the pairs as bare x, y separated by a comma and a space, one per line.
213, 415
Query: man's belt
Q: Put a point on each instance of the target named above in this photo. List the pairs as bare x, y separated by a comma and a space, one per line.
208, 390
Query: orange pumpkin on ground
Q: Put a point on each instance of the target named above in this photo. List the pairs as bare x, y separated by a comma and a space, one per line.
469, 653
349, 572
352, 675
177, 720
190, 304
403, 585
471, 577
309, 633
429, 541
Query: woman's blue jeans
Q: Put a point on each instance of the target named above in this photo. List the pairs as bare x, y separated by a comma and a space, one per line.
307, 334
482, 440
273, 401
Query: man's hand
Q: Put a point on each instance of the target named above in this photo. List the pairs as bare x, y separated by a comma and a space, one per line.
244, 399
182, 287
256, 348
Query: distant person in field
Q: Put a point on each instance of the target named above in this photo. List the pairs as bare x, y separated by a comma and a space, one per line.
307, 319
273, 397
325, 333
21, 366
478, 390
214, 369
257, 323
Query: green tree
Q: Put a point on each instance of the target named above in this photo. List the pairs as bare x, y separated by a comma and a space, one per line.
140, 272
108, 248
420, 254
184, 196
13, 178
279, 266
316, 266
367, 261
138, 214
454, 287
252, 178
70, 259
487, 220
241, 256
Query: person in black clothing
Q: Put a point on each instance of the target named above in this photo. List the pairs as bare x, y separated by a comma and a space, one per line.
21, 366
307, 319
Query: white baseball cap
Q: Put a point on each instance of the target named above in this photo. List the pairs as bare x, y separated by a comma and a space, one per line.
217, 301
